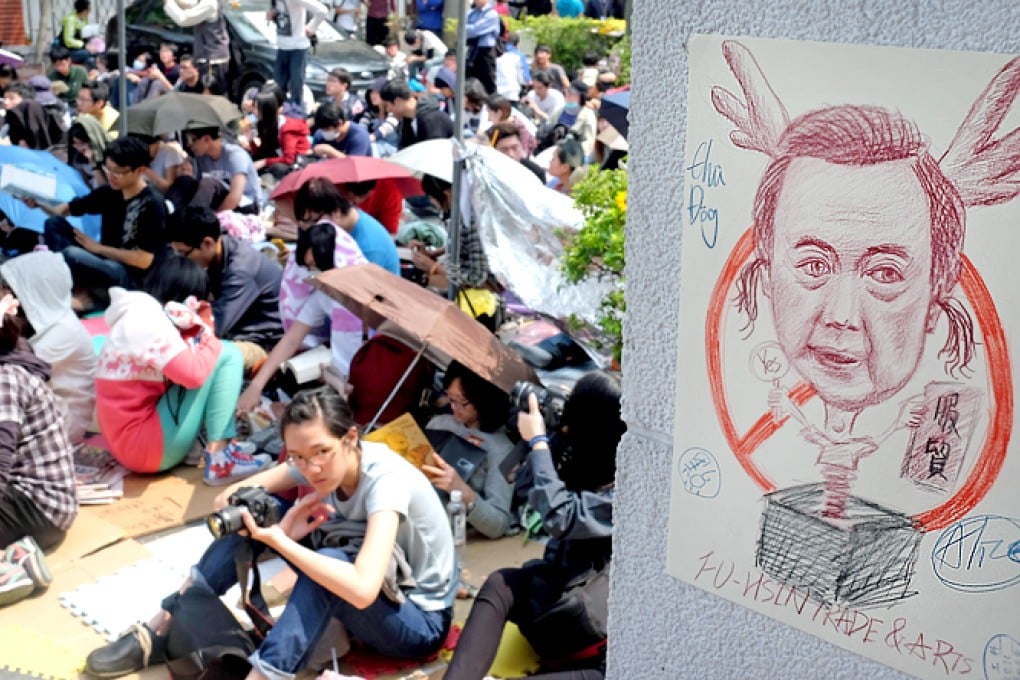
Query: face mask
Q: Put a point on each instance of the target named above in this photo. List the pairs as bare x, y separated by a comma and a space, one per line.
139, 65
571, 106
330, 135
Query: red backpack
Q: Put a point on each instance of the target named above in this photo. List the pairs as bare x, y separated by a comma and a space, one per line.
376, 369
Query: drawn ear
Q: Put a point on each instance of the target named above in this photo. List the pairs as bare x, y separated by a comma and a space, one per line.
760, 117
984, 170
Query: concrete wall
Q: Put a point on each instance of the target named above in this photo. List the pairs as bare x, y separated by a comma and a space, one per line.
659, 627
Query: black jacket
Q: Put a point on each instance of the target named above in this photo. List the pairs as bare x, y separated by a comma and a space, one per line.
430, 121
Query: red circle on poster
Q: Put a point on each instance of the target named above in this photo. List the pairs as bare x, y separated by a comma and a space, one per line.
993, 453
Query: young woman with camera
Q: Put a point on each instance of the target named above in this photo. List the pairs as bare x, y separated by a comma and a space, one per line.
568, 479
355, 483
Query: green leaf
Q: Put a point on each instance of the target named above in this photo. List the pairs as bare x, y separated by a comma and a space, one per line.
597, 249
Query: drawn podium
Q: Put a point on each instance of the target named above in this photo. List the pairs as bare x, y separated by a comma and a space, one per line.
865, 558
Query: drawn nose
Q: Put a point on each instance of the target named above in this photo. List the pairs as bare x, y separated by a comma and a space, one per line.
842, 303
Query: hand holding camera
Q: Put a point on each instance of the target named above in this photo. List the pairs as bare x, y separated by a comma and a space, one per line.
261, 508
531, 423
547, 409
254, 510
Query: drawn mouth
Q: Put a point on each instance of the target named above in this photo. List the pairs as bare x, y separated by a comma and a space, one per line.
834, 358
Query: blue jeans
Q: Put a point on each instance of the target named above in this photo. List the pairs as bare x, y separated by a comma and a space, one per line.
289, 73
88, 270
399, 630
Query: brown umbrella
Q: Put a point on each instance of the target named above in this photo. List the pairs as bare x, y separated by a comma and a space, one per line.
445, 331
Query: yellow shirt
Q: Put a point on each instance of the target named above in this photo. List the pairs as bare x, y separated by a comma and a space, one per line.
108, 119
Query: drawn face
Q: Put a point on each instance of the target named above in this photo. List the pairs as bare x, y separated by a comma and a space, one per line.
849, 277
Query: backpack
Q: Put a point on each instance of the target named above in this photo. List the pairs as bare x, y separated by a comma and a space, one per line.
205, 640
376, 368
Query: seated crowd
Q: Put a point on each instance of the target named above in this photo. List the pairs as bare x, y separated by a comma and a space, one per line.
200, 320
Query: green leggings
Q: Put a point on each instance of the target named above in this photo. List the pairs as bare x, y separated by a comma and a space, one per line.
182, 412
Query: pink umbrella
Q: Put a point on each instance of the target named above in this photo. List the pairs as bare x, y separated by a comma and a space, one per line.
348, 170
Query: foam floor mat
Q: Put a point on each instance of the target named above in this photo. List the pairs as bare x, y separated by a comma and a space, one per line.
23, 649
133, 593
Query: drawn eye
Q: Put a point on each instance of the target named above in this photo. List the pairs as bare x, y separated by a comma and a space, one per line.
885, 274
814, 268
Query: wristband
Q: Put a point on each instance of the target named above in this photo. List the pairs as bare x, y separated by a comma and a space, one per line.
538, 439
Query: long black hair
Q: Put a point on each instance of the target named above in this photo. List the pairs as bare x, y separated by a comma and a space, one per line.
591, 430
268, 125
321, 240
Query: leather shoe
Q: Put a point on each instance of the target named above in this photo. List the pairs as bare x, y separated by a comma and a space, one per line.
136, 649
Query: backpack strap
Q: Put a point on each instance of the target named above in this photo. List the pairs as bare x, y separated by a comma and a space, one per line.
253, 601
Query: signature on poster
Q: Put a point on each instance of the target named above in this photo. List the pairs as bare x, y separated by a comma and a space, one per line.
858, 256
703, 173
979, 554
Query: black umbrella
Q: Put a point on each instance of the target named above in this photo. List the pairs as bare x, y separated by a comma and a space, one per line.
614, 108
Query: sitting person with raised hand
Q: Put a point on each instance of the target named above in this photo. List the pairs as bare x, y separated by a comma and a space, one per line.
42, 283
244, 284
38, 500
568, 480
473, 437
360, 489
306, 311
163, 375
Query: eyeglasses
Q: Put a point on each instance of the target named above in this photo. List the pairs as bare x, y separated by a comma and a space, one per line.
119, 172
461, 404
319, 460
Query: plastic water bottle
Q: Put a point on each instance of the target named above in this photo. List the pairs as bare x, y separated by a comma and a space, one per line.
458, 523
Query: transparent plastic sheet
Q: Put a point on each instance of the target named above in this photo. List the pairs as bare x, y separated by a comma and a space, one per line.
518, 219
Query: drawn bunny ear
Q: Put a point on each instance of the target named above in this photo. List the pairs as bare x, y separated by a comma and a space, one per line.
985, 170
759, 116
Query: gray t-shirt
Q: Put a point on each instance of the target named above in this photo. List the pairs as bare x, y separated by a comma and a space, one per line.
232, 161
388, 482
212, 41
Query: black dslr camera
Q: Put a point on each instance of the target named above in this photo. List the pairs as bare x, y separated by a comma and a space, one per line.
550, 402
264, 509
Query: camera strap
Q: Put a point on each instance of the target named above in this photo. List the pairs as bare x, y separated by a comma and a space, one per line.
253, 601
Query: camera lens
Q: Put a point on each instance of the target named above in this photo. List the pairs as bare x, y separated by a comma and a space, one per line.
225, 521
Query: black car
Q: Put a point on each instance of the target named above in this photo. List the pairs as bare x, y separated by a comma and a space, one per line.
252, 46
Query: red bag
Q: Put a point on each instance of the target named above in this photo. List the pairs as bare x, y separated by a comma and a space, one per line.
376, 369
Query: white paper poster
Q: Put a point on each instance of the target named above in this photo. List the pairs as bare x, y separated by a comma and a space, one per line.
844, 456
